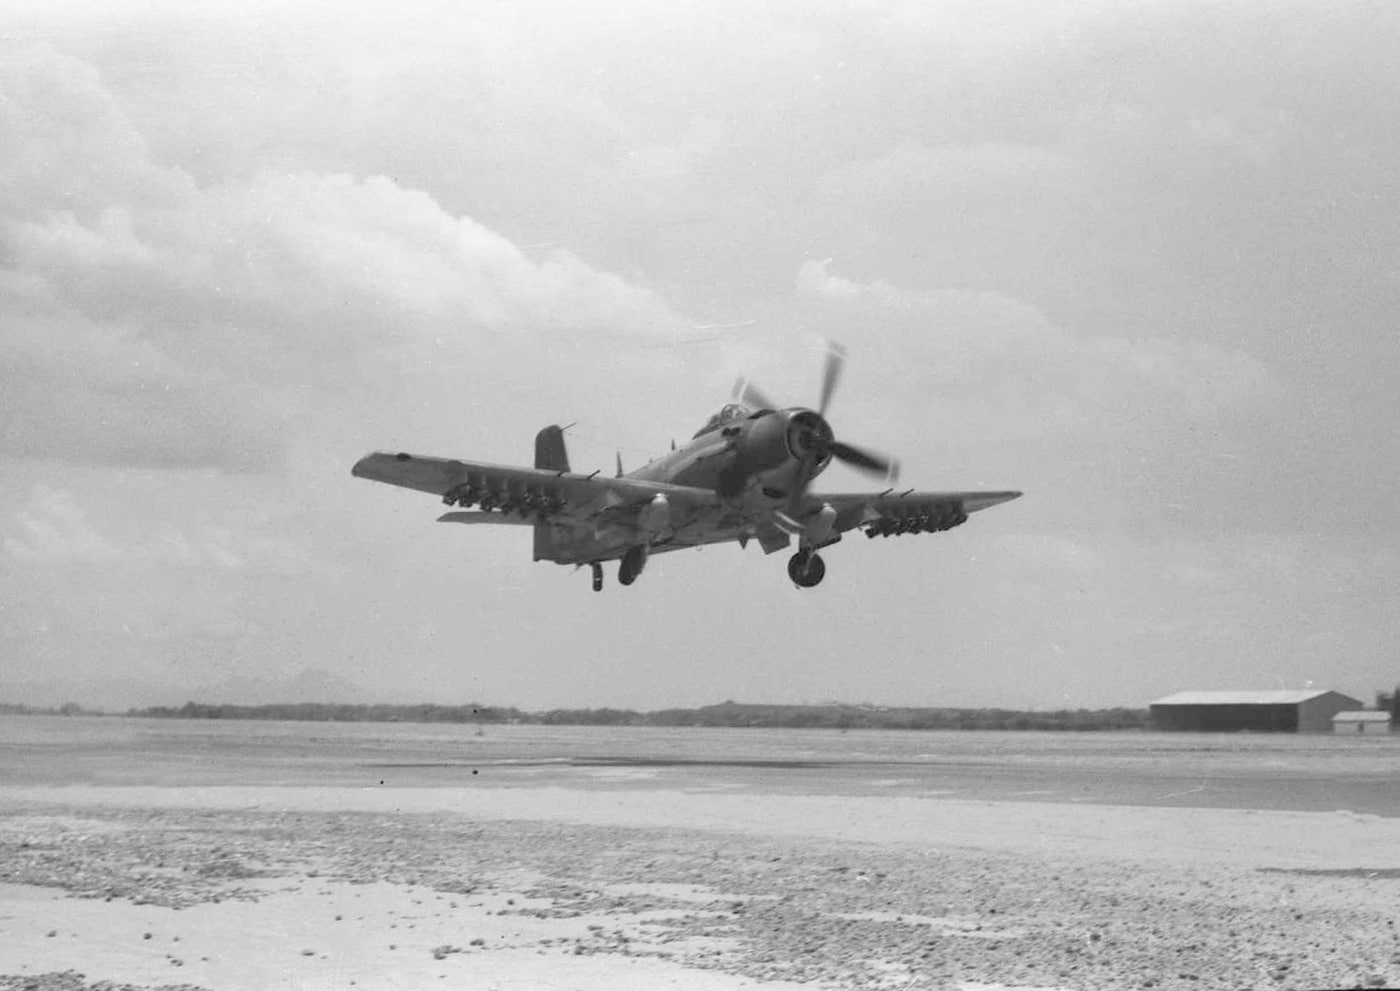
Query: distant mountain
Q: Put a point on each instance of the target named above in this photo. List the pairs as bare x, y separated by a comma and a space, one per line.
121, 694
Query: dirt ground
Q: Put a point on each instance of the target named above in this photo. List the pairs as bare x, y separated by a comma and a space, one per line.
228, 856
237, 887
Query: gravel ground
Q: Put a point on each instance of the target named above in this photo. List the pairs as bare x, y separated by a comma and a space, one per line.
835, 914
71, 980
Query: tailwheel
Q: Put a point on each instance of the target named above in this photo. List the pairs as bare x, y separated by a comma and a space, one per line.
597, 577
806, 569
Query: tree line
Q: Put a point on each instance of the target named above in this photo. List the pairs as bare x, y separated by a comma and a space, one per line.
724, 714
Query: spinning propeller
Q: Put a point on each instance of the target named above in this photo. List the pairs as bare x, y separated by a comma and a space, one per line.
810, 436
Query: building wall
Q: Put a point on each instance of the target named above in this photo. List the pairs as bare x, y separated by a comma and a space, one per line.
1352, 727
1226, 718
1315, 715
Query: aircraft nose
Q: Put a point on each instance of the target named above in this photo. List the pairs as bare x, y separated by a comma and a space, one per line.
809, 435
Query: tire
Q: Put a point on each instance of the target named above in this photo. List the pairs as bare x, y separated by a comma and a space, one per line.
806, 570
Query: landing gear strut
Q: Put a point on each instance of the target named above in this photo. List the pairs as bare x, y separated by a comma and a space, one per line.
597, 577
806, 569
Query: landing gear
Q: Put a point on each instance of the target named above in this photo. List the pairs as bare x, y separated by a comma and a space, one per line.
806, 569
632, 564
597, 577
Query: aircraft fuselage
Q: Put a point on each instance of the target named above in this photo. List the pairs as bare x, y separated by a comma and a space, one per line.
746, 455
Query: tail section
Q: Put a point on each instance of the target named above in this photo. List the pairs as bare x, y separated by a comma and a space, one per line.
550, 455
549, 449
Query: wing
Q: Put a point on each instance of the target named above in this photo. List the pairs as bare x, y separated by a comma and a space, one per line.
588, 517
439, 476
886, 513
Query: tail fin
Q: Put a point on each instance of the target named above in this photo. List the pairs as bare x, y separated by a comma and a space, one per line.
551, 456
549, 449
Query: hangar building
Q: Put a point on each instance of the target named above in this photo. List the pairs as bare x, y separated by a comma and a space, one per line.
1302, 711
1368, 721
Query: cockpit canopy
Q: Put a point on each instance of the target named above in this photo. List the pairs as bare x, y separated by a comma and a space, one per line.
728, 414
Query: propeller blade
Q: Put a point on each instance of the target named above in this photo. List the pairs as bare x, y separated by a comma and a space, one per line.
831, 374
752, 396
866, 461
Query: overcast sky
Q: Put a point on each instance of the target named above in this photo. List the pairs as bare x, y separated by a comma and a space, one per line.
1139, 260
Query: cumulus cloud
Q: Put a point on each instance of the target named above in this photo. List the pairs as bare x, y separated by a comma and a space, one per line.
1003, 364
68, 146
151, 321
53, 529
914, 176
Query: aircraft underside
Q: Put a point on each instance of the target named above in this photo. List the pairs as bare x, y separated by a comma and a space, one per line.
579, 546
805, 567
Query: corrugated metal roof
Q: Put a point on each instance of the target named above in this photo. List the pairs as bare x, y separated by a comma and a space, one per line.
1370, 716
1285, 697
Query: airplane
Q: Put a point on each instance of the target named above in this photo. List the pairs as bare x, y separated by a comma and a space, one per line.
745, 475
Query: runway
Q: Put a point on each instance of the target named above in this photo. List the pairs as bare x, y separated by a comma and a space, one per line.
708, 859
1230, 771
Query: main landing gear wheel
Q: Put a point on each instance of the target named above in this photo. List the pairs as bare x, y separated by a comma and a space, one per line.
806, 569
597, 577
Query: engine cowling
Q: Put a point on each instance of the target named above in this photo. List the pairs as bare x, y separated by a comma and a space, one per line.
774, 441
764, 444
758, 445
809, 436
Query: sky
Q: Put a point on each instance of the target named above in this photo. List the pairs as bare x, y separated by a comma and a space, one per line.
1140, 260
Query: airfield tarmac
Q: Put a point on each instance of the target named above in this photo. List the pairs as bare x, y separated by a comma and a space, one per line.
304, 855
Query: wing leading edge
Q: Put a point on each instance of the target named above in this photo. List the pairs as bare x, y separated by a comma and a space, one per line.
464, 479
887, 513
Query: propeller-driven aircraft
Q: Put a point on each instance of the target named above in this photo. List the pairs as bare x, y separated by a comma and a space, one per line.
745, 475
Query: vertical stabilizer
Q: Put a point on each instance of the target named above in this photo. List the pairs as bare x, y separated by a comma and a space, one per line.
551, 456
549, 449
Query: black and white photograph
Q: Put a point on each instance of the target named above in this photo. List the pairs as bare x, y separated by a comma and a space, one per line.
855, 494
